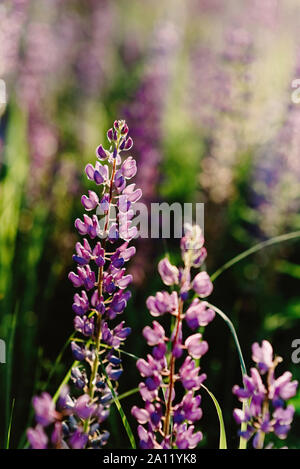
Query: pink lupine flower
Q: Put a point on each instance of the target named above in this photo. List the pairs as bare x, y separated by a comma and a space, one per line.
129, 168
154, 336
166, 422
168, 272
263, 355
162, 303
196, 346
202, 285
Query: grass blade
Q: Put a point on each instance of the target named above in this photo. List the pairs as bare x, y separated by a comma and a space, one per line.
10, 424
8, 371
258, 247
243, 442
222, 440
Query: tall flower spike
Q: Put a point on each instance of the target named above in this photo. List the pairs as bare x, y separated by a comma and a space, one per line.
264, 395
164, 421
102, 278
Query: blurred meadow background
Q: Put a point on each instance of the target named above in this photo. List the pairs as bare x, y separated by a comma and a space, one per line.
205, 86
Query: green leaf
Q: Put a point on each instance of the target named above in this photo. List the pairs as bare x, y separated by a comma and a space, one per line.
222, 440
288, 268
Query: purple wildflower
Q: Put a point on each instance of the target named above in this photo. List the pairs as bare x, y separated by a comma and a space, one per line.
163, 422
264, 396
103, 281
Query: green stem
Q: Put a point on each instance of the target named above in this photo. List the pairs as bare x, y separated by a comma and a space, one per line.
243, 441
172, 375
128, 393
270, 242
100, 292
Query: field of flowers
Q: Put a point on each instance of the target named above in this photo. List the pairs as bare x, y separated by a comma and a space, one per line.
109, 339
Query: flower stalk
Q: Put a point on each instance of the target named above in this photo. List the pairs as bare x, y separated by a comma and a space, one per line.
76, 421
170, 421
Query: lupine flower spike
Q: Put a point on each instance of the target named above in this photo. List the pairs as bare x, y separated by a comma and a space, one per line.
265, 396
102, 276
171, 372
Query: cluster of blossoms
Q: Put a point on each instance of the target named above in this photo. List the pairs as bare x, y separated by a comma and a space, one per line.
101, 274
171, 424
264, 396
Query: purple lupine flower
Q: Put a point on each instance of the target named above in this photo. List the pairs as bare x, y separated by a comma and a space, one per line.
265, 411
164, 421
78, 440
198, 314
102, 277
162, 302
